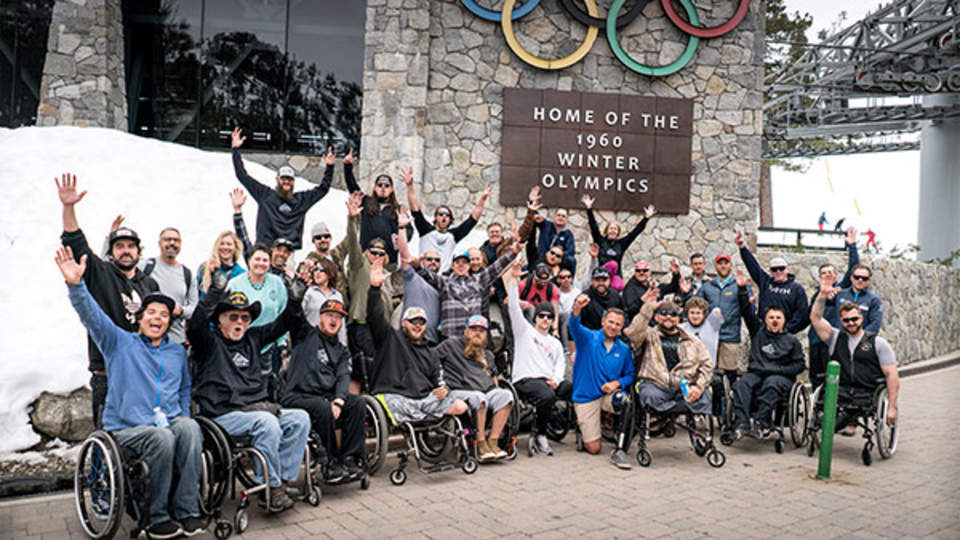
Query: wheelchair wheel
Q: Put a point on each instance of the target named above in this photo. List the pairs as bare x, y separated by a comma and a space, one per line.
697, 443
644, 458
223, 530
812, 445
365, 482
887, 436
669, 429
99, 486
398, 477
558, 426
716, 459
217, 466
241, 520
313, 498
726, 438
778, 446
434, 444
470, 466
376, 431
865, 456
799, 405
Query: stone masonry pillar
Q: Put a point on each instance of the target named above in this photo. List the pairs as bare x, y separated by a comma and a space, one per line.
83, 74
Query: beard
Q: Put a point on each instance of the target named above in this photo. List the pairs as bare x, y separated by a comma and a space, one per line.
126, 267
474, 348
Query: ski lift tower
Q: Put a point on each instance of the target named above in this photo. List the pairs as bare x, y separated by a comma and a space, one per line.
837, 99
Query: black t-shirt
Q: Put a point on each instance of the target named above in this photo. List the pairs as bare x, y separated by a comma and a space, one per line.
669, 345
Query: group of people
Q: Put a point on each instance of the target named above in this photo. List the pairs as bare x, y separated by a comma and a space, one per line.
278, 348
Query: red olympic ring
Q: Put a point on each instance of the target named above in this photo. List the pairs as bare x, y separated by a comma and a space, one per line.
710, 32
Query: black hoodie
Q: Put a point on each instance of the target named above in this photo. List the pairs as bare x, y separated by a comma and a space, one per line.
320, 365
399, 366
770, 354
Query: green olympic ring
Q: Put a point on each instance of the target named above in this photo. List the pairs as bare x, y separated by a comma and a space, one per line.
653, 71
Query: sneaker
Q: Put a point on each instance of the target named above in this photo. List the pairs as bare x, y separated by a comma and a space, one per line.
164, 529
765, 433
193, 526
498, 453
754, 433
352, 467
619, 458
740, 431
484, 453
542, 446
279, 500
849, 431
333, 472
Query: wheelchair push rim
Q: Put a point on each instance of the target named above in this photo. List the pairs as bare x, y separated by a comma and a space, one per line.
99, 486
887, 436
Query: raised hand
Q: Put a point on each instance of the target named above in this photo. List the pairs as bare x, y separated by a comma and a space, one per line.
517, 246
851, 235
403, 218
117, 222
534, 194
237, 198
67, 189
741, 278
685, 285
236, 140
349, 159
515, 230
487, 191
329, 158
827, 290
355, 203
407, 176
674, 266
516, 270
651, 295
649, 211
588, 201
377, 273
71, 270
306, 272
594, 251
741, 243
581, 302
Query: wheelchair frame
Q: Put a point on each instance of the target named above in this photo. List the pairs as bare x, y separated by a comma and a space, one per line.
871, 418
790, 413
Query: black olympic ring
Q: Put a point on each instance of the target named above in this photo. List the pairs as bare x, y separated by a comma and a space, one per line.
586, 19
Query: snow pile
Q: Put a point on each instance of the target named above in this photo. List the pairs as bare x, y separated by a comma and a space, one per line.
154, 184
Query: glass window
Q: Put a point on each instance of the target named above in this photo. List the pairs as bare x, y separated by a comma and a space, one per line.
24, 25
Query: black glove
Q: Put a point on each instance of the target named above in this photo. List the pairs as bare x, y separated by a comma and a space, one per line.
295, 290
218, 280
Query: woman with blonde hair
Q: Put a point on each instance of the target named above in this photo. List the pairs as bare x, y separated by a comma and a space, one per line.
226, 250
612, 245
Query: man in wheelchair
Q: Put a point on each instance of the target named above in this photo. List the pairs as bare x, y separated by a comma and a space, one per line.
406, 370
232, 377
776, 358
864, 357
148, 401
318, 381
468, 369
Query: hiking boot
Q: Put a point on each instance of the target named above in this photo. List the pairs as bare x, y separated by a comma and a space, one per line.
352, 467
164, 530
619, 458
542, 446
498, 453
333, 472
484, 453
279, 500
193, 526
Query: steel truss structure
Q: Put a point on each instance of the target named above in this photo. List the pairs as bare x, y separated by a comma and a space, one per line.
907, 48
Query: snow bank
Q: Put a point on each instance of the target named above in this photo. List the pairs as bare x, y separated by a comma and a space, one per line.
154, 184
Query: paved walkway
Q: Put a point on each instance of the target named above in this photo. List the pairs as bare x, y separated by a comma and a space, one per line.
758, 494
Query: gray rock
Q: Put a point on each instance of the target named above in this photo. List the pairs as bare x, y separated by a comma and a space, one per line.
67, 417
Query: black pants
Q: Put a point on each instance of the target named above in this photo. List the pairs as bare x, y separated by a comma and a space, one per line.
768, 389
350, 424
819, 356
362, 350
539, 394
98, 387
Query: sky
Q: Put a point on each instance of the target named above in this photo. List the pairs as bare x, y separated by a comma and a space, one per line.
885, 186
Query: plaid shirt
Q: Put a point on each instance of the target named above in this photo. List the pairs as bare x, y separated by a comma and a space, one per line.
463, 296
240, 228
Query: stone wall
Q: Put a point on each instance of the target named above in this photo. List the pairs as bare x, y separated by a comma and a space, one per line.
83, 74
921, 315
433, 92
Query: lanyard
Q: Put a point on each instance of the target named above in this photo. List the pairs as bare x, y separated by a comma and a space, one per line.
159, 375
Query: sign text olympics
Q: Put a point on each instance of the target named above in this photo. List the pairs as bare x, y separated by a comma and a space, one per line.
626, 151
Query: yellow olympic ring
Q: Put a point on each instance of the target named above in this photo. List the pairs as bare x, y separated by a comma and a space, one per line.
506, 21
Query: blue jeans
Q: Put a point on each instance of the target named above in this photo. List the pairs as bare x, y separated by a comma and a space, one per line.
282, 440
665, 400
177, 447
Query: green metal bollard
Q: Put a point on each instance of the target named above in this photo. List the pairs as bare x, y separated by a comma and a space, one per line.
829, 419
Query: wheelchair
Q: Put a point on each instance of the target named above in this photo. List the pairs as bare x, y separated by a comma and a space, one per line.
870, 415
790, 415
109, 480
314, 451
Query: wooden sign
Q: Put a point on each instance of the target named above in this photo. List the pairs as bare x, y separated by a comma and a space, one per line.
625, 151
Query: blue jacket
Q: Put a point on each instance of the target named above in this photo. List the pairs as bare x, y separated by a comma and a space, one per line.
871, 307
549, 237
725, 298
830, 309
139, 375
789, 295
595, 366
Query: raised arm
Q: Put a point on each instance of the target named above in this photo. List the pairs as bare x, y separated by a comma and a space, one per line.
313, 195
376, 318
637, 331
518, 323
746, 309
104, 333
348, 177
492, 272
199, 333
478, 209
354, 207
256, 189
853, 257
403, 250
820, 325
578, 333
237, 198
67, 190
592, 220
625, 241
757, 273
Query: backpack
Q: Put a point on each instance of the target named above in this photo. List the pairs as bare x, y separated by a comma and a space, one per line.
529, 285
152, 263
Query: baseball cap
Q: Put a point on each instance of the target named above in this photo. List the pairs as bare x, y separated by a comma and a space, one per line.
542, 272
544, 307
641, 265
777, 261
462, 255
318, 229
286, 171
414, 312
477, 320
333, 306
377, 242
124, 233
600, 272
158, 297
722, 256
283, 242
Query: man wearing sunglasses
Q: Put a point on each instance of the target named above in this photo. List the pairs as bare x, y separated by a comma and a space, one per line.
640, 281
231, 386
602, 298
778, 288
554, 235
864, 357
439, 236
721, 292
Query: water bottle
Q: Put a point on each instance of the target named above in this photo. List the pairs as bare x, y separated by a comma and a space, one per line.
684, 387
160, 418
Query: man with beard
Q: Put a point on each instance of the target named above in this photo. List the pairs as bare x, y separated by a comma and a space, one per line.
281, 250
602, 298
438, 236
174, 280
638, 284
721, 292
118, 286
407, 375
555, 233
281, 211
468, 369
776, 358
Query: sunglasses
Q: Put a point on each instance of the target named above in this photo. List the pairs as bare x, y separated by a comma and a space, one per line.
242, 317
432, 259
544, 316
322, 237
861, 278
642, 270
668, 313
384, 184
444, 214
377, 252
417, 322
564, 276
555, 254
777, 268
850, 319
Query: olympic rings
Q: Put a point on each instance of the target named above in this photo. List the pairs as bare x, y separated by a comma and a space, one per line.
655, 71
494, 16
710, 32
506, 22
577, 13
612, 22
